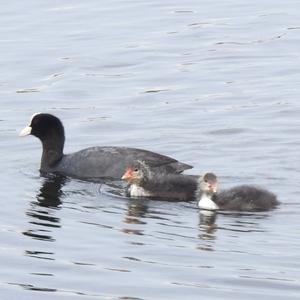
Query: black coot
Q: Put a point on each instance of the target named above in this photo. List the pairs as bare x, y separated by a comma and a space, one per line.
143, 182
94, 162
240, 198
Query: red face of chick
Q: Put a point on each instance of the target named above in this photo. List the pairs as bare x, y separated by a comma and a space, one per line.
129, 175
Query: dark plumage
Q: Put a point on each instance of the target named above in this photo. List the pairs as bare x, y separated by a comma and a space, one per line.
240, 198
145, 183
246, 198
94, 162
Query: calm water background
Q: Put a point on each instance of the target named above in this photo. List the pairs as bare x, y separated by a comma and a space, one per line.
212, 83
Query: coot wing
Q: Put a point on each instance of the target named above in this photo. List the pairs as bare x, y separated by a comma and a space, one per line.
111, 162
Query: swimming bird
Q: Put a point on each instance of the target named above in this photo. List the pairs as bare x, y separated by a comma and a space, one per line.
90, 163
239, 198
144, 182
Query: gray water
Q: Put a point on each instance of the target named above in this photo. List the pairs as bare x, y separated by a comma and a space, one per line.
212, 83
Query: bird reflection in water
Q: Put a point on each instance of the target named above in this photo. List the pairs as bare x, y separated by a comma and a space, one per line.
42, 212
50, 193
237, 222
207, 229
136, 211
137, 208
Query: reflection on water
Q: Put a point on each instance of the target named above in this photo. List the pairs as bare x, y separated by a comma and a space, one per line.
207, 219
207, 224
39, 254
42, 212
136, 208
33, 288
243, 221
135, 214
50, 193
207, 229
230, 221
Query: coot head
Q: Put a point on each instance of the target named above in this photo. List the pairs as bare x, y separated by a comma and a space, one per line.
208, 183
137, 174
50, 131
44, 126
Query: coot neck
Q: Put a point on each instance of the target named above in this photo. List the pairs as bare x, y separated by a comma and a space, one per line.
206, 201
52, 151
149, 183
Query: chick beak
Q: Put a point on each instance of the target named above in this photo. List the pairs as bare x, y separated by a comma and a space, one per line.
213, 187
127, 175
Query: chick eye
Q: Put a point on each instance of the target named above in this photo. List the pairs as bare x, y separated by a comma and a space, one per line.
205, 180
135, 170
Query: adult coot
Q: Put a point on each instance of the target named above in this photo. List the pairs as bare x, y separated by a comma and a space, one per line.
240, 198
143, 182
94, 162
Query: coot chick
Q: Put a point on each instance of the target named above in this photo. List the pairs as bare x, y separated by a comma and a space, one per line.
93, 162
240, 198
145, 183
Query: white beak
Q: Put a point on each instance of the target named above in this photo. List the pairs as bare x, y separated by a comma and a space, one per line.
25, 131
